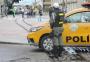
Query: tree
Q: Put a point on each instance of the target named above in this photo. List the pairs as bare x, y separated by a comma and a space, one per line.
10, 4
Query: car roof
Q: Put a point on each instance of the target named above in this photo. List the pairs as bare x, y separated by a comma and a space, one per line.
76, 11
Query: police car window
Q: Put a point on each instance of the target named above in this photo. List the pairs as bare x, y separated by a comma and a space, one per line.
74, 18
86, 16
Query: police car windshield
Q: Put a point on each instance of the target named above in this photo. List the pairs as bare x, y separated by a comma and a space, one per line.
79, 17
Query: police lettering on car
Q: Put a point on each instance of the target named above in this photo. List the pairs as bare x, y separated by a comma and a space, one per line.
78, 38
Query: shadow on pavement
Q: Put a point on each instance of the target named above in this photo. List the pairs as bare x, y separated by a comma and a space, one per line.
37, 50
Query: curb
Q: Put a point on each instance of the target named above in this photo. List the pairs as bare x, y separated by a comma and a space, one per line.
1, 42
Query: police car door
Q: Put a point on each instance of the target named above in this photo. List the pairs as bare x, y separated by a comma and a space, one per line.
76, 30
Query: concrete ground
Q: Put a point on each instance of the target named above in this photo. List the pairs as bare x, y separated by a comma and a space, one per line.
21, 53
10, 31
26, 53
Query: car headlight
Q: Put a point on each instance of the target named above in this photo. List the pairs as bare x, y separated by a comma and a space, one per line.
33, 29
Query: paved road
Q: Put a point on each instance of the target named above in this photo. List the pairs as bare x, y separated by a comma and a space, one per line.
21, 53
26, 53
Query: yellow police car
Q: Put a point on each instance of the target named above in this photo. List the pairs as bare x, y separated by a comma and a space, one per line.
76, 30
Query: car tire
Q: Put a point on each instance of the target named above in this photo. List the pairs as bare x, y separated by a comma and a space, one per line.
47, 43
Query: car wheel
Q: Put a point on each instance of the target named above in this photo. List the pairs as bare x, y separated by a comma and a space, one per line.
47, 43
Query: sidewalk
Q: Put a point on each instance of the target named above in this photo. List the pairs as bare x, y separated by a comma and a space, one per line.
27, 23
35, 19
13, 33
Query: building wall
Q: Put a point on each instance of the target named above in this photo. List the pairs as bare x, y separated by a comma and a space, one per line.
1, 3
70, 4
46, 4
73, 4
